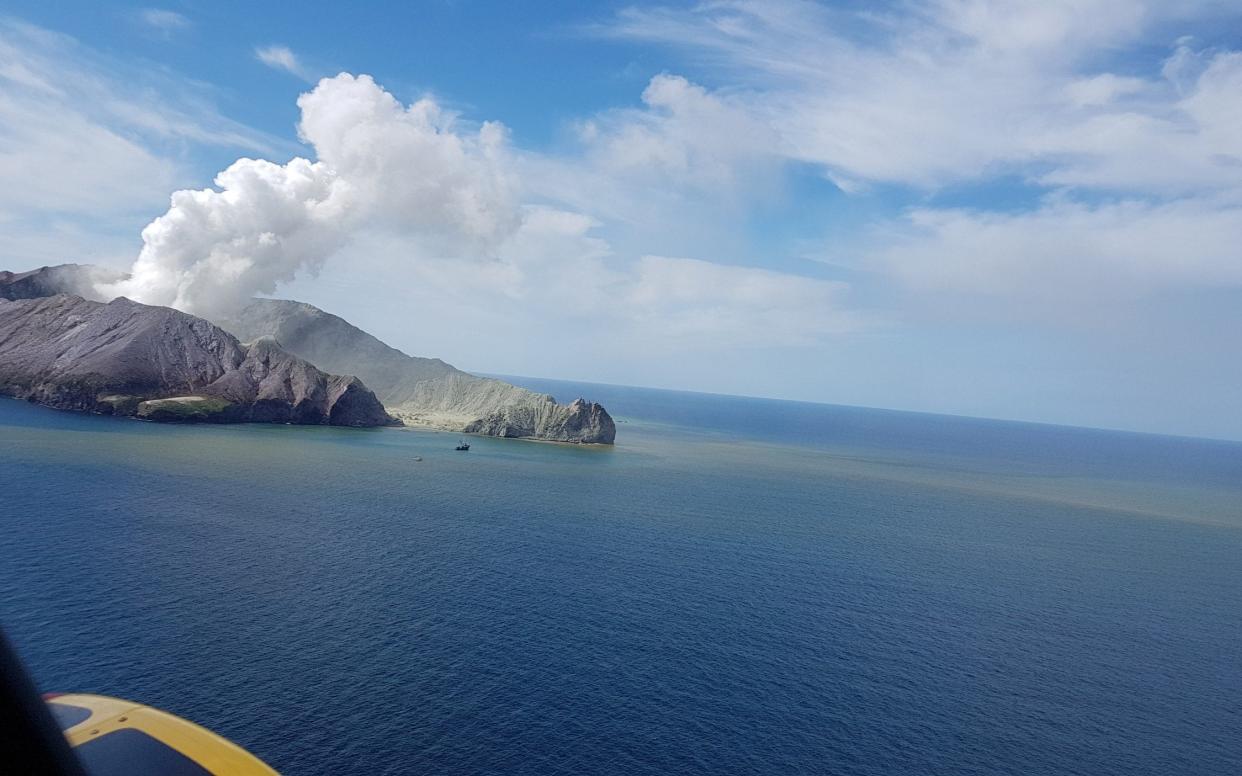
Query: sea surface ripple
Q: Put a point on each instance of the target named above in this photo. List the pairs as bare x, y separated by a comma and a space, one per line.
739, 587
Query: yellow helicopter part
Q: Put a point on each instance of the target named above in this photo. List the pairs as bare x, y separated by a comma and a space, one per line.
112, 736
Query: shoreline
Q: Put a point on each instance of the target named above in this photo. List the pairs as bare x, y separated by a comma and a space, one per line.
407, 423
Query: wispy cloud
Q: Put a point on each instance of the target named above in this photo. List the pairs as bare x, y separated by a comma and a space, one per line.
91, 145
163, 21
283, 58
962, 93
956, 91
1070, 253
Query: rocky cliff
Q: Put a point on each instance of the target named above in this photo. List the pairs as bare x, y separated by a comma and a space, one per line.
154, 362
421, 391
545, 420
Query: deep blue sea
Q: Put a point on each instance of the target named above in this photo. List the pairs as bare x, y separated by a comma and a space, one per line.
741, 586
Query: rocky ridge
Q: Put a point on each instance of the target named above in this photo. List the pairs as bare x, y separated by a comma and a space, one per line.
126, 358
79, 279
421, 391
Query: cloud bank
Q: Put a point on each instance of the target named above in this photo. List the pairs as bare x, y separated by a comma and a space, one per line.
1136, 171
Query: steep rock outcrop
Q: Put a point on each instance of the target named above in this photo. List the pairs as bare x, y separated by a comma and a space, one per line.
577, 422
155, 362
277, 386
421, 391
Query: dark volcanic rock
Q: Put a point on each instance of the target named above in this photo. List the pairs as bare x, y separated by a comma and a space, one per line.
277, 386
155, 362
67, 352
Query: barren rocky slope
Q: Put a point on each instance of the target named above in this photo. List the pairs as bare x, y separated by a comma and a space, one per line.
154, 362
77, 279
421, 391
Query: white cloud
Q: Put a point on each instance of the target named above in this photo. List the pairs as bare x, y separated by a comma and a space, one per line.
67, 161
1103, 89
666, 140
987, 95
282, 58
556, 300
85, 140
163, 21
552, 279
960, 90
380, 164
1066, 251
1141, 167
418, 165
429, 207
678, 303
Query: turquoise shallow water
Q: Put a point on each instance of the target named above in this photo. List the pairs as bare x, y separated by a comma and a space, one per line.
740, 586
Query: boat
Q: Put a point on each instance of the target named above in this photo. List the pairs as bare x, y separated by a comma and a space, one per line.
462, 446
418, 458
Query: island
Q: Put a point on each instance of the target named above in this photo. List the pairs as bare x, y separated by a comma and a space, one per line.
273, 361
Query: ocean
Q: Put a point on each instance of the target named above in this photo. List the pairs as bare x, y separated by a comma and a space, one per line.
740, 586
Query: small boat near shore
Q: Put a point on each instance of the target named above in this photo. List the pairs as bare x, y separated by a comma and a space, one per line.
462, 446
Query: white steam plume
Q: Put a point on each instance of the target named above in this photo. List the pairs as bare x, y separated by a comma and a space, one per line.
379, 164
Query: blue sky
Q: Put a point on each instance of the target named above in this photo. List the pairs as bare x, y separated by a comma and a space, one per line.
1007, 209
